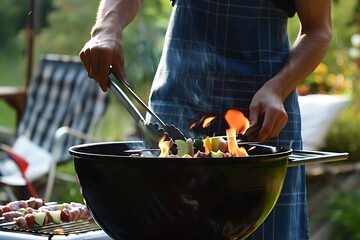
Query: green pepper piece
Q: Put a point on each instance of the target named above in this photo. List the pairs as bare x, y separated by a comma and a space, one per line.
198, 145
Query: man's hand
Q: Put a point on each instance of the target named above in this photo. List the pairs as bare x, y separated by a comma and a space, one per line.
267, 115
104, 49
98, 55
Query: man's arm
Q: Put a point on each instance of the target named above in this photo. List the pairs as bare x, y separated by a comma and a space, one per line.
310, 47
104, 49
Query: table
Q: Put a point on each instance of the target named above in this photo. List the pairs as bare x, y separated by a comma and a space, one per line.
15, 97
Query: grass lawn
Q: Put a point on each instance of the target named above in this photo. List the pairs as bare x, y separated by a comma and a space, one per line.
12, 73
7, 116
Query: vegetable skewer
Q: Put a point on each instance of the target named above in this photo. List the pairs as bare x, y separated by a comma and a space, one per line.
25, 217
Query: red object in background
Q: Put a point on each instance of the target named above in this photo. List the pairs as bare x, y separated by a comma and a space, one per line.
22, 165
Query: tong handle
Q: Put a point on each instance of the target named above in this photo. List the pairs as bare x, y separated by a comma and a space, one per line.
123, 98
114, 79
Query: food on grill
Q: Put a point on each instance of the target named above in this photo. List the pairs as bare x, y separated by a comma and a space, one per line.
9, 216
39, 218
4, 209
32, 202
71, 212
210, 147
26, 217
74, 212
25, 222
183, 147
55, 216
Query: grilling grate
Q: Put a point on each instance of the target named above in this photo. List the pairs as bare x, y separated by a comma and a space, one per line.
76, 227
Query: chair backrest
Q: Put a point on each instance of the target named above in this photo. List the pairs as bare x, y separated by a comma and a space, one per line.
61, 94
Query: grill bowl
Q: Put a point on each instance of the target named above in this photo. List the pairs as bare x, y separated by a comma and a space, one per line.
178, 198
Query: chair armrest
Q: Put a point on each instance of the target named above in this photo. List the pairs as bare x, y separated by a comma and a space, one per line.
76, 133
60, 132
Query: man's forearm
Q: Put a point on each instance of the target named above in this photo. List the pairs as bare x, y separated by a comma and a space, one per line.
113, 16
303, 59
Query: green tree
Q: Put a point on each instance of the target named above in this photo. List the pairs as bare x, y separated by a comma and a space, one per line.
355, 12
68, 27
13, 16
143, 40
70, 23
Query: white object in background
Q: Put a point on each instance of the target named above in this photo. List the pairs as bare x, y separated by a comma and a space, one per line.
318, 113
38, 159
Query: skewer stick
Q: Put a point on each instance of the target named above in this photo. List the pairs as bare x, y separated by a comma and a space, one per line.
5, 224
142, 150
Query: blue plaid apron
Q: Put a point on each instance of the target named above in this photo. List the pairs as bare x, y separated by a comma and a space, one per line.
217, 54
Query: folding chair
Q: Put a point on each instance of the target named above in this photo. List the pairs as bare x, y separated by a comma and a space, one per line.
63, 107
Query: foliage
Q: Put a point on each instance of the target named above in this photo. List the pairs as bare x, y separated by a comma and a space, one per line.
71, 189
344, 135
337, 74
344, 212
12, 18
324, 81
68, 27
355, 12
68, 30
14, 15
143, 40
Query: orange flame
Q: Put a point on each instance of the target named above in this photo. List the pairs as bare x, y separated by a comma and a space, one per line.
164, 147
238, 124
233, 148
207, 121
192, 126
237, 120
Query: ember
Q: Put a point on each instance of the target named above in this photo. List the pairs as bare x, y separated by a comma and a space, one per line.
59, 230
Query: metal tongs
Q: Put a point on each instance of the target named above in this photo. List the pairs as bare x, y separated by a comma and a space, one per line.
152, 132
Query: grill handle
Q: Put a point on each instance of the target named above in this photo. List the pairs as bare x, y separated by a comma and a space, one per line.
306, 157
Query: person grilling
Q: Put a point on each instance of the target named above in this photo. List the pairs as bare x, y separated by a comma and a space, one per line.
228, 54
